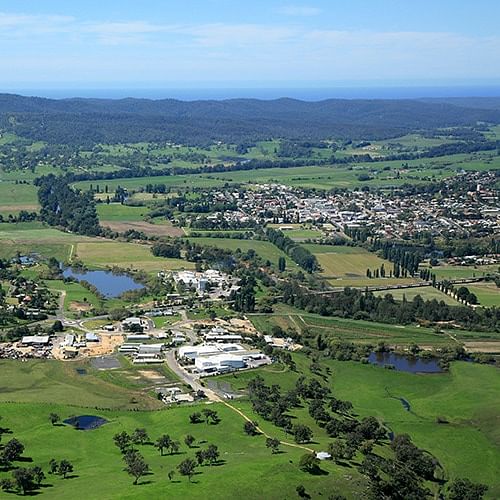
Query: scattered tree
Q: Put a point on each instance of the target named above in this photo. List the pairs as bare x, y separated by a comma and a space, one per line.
195, 418
140, 436
65, 468
187, 468
135, 465
122, 440
301, 491
53, 466
189, 440
38, 475
24, 479
273, 444
309, 462
54, 418
302, 433
210, 416
250, 428
12, 451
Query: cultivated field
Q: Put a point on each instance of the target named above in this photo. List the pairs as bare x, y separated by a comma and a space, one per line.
144, 227
17, 197
346, 266
125, 255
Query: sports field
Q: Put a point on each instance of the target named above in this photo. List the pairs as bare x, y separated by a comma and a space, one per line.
459, 272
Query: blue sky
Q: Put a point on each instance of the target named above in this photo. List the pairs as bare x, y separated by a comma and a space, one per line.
162, 43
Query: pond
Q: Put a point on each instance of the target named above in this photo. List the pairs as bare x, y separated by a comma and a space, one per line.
408, 364
85, 422
108, 284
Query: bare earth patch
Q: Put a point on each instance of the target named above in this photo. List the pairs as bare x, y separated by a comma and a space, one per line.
80, 306
144, 227
489, 347
151, 375
17, 208
109, 342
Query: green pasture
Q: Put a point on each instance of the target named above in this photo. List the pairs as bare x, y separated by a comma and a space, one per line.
246, 465
488, 294
15, 197
466, 397
118, 212
33, 237
74, 293
370, 332
427, 293
264, 249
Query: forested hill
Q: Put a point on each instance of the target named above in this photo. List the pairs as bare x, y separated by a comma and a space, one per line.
87, 121
491, 103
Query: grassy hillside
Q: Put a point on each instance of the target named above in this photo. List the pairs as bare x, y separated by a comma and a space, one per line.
466, 397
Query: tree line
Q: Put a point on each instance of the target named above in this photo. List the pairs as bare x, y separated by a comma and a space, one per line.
65, 207
357, 304
299, 254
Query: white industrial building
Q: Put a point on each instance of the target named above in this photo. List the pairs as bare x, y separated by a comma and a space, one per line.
219, 363
194, 351
35, 340
199, 280
217, 358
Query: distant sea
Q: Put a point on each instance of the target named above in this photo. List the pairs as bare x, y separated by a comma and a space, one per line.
306, 94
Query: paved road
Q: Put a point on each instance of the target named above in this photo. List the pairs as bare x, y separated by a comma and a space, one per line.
188, 378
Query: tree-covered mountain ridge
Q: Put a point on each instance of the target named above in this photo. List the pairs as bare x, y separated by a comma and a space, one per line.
232, 120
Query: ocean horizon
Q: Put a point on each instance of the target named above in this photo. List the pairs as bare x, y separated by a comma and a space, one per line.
305, 94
